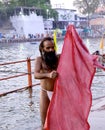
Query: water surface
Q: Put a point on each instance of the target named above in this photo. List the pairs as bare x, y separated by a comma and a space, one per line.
20, 110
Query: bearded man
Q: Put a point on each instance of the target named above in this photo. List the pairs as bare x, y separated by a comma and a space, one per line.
45, 70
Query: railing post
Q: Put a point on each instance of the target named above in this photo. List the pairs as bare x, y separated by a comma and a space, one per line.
29, 72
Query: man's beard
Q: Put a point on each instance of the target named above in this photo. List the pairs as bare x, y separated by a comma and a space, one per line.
50, 59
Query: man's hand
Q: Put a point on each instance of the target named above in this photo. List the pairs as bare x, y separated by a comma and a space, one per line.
53, 74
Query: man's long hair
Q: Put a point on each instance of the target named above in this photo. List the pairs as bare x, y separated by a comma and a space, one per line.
41, 46
49, 58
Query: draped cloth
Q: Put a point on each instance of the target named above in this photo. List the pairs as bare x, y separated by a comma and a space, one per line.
72, 98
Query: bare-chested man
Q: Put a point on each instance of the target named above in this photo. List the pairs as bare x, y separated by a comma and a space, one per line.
45, 70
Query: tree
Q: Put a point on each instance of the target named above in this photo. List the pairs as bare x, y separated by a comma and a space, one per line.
102, 2
7, 7
43, 5
86, 6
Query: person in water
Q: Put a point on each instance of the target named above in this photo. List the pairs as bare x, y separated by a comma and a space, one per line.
45, 70
100, 57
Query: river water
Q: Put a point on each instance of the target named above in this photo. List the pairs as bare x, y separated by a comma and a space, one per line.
20, 110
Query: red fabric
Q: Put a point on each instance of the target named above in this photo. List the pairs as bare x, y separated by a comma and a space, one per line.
71, 101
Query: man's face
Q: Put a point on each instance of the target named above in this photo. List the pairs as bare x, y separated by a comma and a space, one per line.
49, 55
48, 46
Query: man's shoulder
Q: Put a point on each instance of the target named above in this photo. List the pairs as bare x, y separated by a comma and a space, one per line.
39, 58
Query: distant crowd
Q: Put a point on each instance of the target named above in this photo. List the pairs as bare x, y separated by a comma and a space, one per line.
22, 38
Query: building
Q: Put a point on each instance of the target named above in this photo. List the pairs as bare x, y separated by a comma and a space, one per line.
26, 22
97, 21
69, 16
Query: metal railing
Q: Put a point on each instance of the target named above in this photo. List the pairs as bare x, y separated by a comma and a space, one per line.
28, 73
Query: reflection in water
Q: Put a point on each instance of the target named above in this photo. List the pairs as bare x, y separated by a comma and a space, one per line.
30, 96
20, 111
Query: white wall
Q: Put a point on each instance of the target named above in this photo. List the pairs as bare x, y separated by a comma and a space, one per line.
25, 25
65, 15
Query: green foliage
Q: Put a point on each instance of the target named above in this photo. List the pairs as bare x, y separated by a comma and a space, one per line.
6, 8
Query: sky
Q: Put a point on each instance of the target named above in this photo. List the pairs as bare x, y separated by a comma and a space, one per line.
68, 4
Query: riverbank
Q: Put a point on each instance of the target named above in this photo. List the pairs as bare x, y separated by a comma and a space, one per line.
21, 40
35, 40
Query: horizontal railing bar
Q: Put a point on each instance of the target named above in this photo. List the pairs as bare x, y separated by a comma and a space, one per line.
100, 75
98, 84
9, 71
15, 62
16, 74
13, 71
99, 97
5, 93
13, 76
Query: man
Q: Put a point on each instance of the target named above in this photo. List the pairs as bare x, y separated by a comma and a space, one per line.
103, 59
45, 70
100, 58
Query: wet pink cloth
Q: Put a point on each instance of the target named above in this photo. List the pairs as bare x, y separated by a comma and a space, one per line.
72, 99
